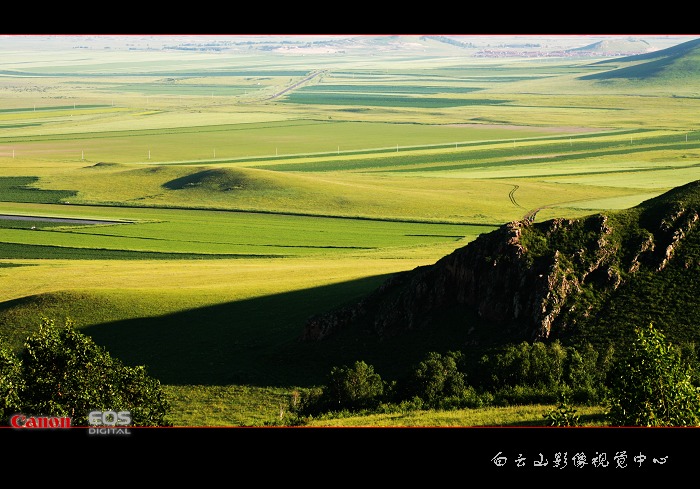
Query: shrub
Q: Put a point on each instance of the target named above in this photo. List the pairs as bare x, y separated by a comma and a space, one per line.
525, 394
651, 385
437, 378
309, 403
354, 388
64, 373
563, 415
11, 382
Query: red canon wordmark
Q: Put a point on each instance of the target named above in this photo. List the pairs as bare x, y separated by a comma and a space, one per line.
41, 422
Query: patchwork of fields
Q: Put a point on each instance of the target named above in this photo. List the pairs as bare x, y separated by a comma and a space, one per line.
243, 200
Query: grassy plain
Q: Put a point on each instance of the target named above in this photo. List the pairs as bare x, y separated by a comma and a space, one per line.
216, 406
247, 208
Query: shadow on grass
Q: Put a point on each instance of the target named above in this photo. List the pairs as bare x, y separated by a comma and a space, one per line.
255, 341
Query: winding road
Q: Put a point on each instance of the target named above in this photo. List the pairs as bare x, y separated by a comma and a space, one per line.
511, 196
530, 215
296, 85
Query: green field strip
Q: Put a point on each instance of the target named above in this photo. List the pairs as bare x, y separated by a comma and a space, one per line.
157, 213
199, 130
148, 71
212, 232
612, 171
520, 167
559, 173
52, 237
622, 202
54, 107
567, 107
173, 89
208, 72
23, 222
45, 118
340, 130
663, 179
20, 125
498, 154
238, 229
287, 140
237, 244
383, 89
116, 243
441, 75
386, 100
587, 155
391, 151
14, 251
71, 211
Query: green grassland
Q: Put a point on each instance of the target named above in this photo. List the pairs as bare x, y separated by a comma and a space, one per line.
247, 203
217, 406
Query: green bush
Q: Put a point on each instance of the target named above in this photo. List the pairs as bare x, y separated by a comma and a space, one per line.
354, 388
585, 373
348, 389
651, 385
563, 415
546, 363
437, 378
523, 373
525, 394
11, 382
468, 398
62, 372
545, 368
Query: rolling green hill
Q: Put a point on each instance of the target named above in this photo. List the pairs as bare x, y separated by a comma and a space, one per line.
678, 62
591, 279
628, 45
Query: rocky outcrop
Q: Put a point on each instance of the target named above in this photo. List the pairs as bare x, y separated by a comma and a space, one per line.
674, 230
490, 275
531, 276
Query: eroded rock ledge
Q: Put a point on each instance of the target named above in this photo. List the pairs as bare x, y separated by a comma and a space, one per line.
506, 279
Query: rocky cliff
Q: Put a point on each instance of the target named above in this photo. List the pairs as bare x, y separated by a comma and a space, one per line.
540, 278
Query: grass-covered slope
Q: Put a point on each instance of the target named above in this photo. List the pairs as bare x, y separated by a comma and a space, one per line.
591, 279
618, 270
677, 62
608, 46
665, 288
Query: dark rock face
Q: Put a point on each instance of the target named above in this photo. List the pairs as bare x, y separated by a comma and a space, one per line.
489, 275
505, 283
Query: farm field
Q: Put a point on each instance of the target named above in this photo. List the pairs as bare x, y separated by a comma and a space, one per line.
238, 193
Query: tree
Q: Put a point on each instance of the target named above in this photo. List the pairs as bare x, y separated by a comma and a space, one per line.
652, 386
64, 373
437, 378
11, 382
354, 388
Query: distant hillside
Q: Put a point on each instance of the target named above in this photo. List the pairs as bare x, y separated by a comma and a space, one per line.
615, 47
677, 62
589, 279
